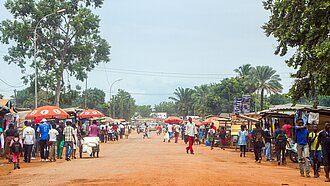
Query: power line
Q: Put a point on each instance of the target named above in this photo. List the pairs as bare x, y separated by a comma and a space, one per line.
157, 75
10, 84
177, 73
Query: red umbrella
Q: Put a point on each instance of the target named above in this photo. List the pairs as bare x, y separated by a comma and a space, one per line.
173, 119
90, 113
210, 120
47, 112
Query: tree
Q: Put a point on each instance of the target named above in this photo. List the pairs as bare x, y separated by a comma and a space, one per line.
69, 42
144, 110
303, 26
279, 99
266, 80
95, 99
122, 105
183, 100
244, 71
200, 97
166, 106
1, 96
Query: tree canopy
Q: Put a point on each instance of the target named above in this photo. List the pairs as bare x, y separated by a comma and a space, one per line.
69, 42
303, 27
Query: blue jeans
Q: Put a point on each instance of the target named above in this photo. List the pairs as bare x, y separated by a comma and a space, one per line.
268, 148
68, 149
170, 135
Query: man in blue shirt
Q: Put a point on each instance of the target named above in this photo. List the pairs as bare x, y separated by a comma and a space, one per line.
43, 129
302, 147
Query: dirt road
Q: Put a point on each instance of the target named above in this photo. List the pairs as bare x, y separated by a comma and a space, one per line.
138, 161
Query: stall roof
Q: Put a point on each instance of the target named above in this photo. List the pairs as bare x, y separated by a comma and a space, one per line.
247, 118
322, 110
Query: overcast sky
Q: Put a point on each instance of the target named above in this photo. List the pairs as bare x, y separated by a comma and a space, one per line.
159, 45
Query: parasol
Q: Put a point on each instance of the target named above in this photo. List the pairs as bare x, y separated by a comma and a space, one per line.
47, 112
173, 119
90, 113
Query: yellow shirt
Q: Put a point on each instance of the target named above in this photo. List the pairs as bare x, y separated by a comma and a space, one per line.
313, 145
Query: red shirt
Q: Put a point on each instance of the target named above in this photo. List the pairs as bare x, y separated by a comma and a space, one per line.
286, 128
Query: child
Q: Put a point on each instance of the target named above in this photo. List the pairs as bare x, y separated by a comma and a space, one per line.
52, 142
16, 147
166, 135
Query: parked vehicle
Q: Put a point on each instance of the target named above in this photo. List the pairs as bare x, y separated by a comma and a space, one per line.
291, 151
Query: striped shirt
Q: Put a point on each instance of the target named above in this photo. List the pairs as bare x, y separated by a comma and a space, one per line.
68, 133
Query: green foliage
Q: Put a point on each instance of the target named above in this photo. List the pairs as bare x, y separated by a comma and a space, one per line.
200, 99
166, 106
1, 96
279, 99
183, 101
266, 79
69, 42
144, 110
122, 105
304, 27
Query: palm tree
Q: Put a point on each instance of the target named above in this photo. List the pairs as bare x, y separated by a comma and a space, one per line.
200, 97
183, 100
266, 79
244, 70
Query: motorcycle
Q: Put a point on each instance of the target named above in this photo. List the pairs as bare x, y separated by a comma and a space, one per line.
291, 151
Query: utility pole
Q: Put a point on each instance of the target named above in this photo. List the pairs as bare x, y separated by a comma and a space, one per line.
86, 95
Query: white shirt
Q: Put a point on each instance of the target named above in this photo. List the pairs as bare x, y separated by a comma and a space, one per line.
121, 126
52, 134
177, 128
190, 129
28, 135
2, 141
169, 128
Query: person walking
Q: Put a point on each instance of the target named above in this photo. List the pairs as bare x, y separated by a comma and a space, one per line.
146, 131
75, 145
16, 147
43, 129
59, 141
190, 132
301, 132
52, 142
211, 135
2, 142
315, 155
242, 140
176, 133
170, 131
9, 135
281, 141
222, 138
324, 140
268, 145
29, 140
258, 141
69, 140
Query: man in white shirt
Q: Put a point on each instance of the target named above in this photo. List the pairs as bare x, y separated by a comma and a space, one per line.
190, 132
170, 131
29, 137
53, 133
2, 142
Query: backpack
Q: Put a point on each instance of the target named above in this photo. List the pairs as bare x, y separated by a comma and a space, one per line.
16, 147
281, 141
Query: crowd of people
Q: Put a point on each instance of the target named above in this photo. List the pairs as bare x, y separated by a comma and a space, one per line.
313, 147
50, 137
